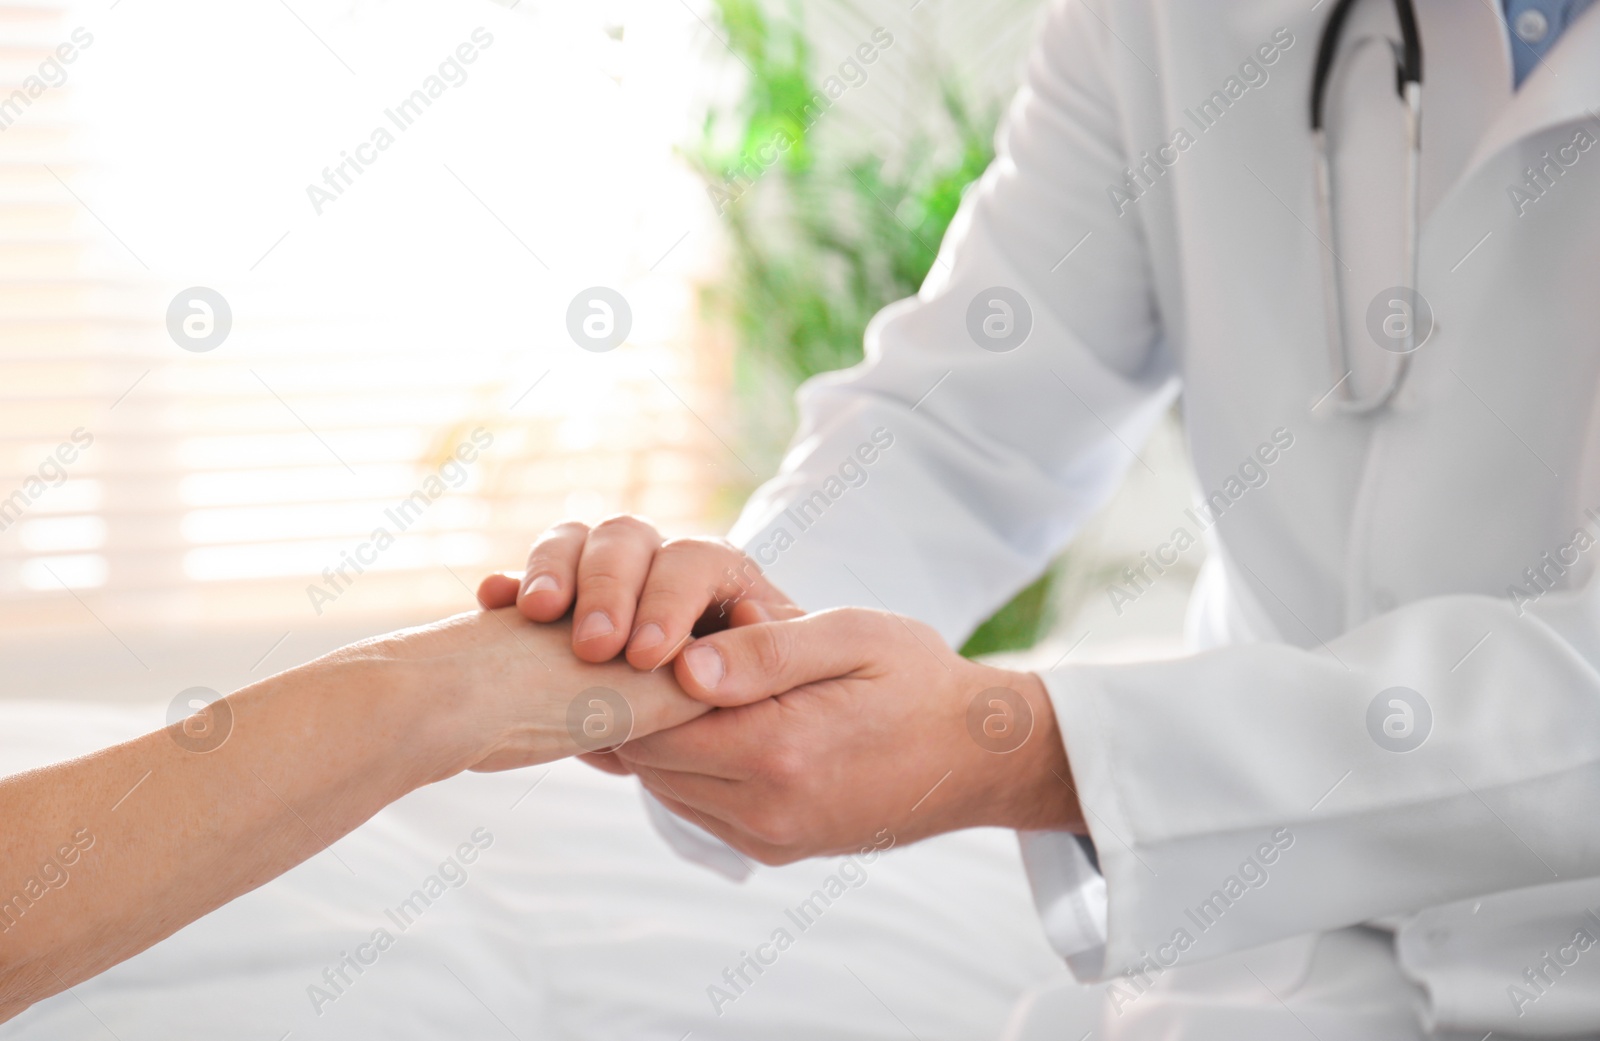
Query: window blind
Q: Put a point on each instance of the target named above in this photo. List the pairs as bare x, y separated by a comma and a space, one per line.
398, 404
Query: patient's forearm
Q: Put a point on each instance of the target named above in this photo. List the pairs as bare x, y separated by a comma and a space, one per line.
164, 835
142, 838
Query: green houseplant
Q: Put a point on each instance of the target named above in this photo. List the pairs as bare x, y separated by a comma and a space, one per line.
823, 234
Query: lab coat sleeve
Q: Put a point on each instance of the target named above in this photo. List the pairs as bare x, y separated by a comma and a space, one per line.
1261, 791
939, 476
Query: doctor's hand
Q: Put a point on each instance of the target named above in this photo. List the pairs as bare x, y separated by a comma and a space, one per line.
627, 588
835, 726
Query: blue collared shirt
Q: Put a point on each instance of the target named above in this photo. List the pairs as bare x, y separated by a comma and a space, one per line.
1534, 26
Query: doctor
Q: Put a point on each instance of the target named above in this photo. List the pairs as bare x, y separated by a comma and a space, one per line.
1368, 804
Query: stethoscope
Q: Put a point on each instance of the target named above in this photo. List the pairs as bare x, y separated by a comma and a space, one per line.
1408, 84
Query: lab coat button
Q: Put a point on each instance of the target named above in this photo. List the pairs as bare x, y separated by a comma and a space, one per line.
1531, 26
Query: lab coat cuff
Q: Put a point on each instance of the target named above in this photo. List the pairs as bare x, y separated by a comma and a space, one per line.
1070, 895
1069, 888
694, 843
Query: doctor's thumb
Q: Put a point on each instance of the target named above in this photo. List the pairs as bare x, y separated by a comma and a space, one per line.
751, 662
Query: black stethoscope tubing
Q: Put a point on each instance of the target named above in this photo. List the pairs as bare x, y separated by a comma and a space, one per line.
1408, 85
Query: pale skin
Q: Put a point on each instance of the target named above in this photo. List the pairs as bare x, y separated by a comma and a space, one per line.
819, 733
829, 726
311, 754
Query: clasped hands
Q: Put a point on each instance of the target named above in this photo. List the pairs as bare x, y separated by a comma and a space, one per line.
825, 729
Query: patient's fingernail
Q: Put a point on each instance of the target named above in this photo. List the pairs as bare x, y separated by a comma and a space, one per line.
705, 665
594, 625
539, 584
647, 637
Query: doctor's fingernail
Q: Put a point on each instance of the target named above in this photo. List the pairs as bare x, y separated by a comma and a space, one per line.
705, 665
539, 584
594, 625
647, 636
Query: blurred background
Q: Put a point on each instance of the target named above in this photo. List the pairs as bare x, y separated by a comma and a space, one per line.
395, 284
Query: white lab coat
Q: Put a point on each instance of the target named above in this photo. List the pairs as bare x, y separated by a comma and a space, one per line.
1378, 554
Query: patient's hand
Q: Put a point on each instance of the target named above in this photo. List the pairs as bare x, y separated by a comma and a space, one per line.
626, 588
164, 828
513, 692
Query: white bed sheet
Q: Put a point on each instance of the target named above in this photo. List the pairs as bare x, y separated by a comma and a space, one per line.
576, 923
